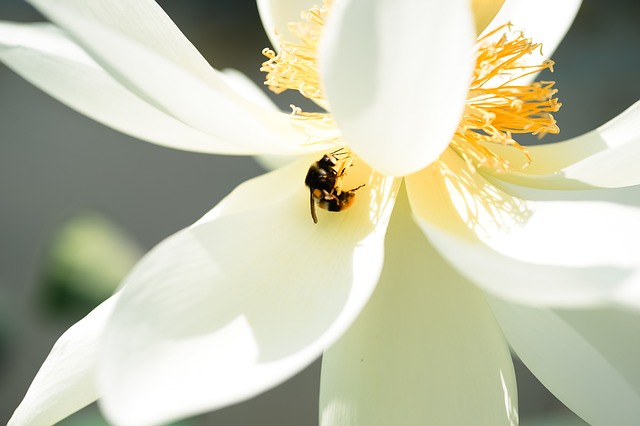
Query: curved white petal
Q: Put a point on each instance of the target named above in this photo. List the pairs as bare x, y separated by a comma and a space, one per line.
206, 103
587, 358
562, 249
396, 75
425, 350
272, 162
141, 21
43, 55
66, 380
606, 157
247, 88
277, 14
243, 299
244, 85
544, 21
484, 11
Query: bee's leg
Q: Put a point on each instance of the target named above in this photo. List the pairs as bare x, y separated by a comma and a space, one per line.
312, 204
338, 151
342, 171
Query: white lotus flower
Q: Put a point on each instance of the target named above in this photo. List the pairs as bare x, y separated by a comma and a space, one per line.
254, 291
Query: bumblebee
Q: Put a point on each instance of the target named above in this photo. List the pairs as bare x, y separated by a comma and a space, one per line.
323, 181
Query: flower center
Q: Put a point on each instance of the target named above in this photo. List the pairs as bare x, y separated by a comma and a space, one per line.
497, 107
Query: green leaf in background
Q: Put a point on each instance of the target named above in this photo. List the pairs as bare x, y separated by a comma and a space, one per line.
84, 262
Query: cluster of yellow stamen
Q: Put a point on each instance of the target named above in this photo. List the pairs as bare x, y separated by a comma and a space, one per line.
295, 66
497, 107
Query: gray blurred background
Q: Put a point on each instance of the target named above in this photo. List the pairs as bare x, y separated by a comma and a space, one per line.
54, 163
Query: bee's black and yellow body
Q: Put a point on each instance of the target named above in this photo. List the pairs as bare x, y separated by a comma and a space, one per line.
322, 180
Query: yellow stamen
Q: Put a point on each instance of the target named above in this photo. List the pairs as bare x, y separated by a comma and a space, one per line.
295, 67
496, 108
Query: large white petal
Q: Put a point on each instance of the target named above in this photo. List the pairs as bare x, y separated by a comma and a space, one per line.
544, 21
44, 55
606, 157
426, 350
396, 75
277, 14
141, 21
563, 248
244, 85
205, 103
484, 11
587, 358
66, 381
243, 299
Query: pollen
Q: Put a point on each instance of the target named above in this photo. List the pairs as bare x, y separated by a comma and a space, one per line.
499, 106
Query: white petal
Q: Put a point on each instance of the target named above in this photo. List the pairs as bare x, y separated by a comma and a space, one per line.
243, 299
277, 14
396, 75
247, 88
244, 85
566, 248
544, 21
141, 21
484, 11
66, 380
206, 103
426, 349
606, 157
587, 358
272, 162
44, 55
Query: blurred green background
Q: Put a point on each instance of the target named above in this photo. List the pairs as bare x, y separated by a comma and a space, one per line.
57, 169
